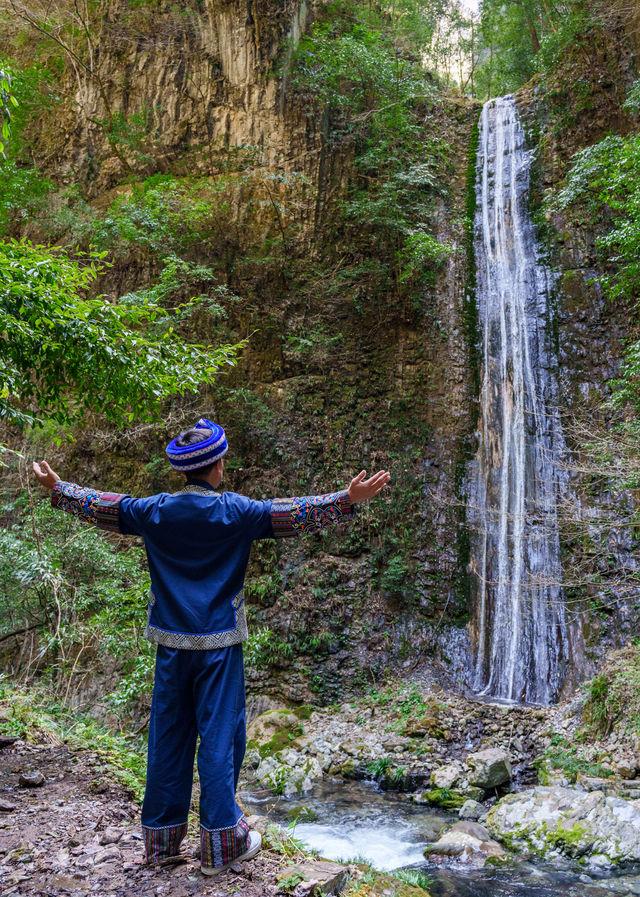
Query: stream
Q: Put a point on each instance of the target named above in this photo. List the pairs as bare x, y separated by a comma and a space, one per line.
349, 820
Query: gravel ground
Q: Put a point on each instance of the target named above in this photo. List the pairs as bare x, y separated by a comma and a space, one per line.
79, 833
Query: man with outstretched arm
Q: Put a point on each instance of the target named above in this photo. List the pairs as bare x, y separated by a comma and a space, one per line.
198, 542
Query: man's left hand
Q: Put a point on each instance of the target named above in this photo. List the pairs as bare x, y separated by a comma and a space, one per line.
44, 475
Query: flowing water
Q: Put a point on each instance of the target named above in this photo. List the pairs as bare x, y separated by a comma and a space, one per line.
518, 615
347, 820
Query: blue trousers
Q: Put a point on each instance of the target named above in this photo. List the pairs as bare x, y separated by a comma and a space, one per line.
196, 693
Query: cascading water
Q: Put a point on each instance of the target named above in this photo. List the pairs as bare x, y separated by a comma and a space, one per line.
518, 614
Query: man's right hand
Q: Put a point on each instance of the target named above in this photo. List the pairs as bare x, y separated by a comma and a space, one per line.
362, 490
44, 475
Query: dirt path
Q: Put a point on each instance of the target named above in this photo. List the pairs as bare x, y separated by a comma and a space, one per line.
79, 833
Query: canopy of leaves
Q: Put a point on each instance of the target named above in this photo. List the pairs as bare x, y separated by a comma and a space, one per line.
63, 351
522, 37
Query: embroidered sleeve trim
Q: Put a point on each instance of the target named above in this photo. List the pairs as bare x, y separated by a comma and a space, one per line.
309, 514
98, 508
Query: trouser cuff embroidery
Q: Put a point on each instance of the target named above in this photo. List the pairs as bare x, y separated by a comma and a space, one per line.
160, 843
224, 845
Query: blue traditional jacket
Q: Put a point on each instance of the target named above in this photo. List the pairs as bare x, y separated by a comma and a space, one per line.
198, 543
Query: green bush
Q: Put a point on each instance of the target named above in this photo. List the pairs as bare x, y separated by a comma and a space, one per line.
85, 601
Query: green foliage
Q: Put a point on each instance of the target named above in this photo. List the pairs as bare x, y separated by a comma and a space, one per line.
264, 648
32, 714
509, 58
82, 599
356, 63
132, 133
529, 36
353, 66
7, 103
565, 757
613, 696
166, 216
419, 252
415, 877
377, 769
413, 703
604, 182
24, 198
282, 841
445, 798
288, 882
66, 352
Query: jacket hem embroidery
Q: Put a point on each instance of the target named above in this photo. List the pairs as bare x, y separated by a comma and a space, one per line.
188, 641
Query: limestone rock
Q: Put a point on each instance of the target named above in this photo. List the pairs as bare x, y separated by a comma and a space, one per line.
489, 768
471, 809
446, 776
289, 772
269, 724
314, 877
626, 767
553, 821
467, 841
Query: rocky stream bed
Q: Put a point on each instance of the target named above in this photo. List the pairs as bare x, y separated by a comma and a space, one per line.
407, 777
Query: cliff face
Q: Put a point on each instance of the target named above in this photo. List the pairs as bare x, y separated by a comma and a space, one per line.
329, 382
197, 80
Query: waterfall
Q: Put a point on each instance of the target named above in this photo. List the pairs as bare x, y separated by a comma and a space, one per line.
518, 615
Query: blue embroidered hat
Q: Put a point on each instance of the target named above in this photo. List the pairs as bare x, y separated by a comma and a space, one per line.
198, 454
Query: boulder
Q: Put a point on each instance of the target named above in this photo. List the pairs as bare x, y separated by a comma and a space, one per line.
446, 776
469, 842
569, 822
276, 728
471, 809
489, 768
289, 772
626, 767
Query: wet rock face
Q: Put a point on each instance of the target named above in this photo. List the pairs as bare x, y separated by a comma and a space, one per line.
565, 821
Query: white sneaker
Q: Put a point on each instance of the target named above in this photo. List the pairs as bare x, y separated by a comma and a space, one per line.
255, 843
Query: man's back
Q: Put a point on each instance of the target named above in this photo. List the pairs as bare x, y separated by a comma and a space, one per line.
198, 543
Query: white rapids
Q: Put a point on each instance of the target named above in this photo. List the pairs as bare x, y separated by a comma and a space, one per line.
518, 612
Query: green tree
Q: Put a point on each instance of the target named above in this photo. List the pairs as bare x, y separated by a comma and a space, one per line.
7, 102
64, 351
362, 66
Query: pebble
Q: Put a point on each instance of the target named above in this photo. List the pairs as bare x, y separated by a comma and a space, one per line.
111, 835
31, 779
